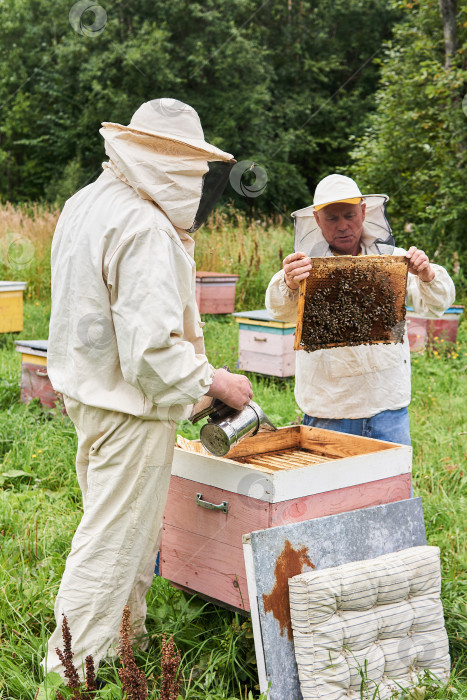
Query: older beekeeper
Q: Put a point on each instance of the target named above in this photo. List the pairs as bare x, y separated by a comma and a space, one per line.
363, 390
126, 351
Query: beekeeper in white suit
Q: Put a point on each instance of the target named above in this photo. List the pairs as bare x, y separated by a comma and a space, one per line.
126, 351
363, 390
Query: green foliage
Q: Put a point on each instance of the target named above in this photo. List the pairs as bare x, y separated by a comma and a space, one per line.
414, 145
281, 83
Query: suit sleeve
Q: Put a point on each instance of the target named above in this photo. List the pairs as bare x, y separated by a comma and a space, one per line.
431, 298
281, 301
151, 287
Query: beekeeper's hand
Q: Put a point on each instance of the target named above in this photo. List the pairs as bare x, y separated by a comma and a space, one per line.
419, 264
235, 390
297, 267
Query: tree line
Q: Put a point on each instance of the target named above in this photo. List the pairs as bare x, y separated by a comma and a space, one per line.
302, 87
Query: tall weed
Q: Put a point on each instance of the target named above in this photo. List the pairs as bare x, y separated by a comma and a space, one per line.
229, 242
25, 238
254, 250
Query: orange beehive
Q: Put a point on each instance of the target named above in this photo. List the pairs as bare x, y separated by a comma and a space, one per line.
11, 306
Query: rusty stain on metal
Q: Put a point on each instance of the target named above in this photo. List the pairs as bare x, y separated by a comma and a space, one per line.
290, 562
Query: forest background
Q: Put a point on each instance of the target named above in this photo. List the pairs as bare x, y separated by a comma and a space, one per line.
373, 89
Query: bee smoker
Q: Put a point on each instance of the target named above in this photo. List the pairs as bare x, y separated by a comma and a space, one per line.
226, 426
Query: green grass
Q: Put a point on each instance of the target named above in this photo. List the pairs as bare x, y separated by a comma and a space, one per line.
40, 508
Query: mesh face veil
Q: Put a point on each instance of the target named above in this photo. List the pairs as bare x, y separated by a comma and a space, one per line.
376, 236
214, 183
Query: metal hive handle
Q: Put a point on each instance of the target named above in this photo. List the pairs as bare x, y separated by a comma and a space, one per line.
224, 506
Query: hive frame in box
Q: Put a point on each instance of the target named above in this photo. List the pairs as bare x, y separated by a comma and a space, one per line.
202, 549
394, 269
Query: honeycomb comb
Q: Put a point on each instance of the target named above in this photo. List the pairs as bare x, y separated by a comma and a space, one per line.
352, 300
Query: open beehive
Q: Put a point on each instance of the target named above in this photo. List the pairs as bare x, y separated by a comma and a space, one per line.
352, 300
294, 474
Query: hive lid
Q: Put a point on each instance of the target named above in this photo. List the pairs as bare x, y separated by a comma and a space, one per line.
214, 276
7, 286
23, 345
457, 309
352, 300
260, 317
257, 315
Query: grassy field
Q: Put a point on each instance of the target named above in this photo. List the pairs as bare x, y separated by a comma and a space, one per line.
40, 508
40, 500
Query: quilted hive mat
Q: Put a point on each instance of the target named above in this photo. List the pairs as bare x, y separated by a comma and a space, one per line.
367, 625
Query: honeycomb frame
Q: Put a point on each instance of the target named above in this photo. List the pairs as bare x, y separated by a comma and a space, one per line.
352, 300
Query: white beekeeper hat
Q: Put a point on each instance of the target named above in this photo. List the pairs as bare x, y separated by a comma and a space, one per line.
169, 121
377, 234
163, 155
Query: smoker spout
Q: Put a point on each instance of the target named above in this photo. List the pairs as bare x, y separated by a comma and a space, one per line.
264, 423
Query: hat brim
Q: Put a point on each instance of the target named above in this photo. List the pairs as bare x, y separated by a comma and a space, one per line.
198, 144
371, 200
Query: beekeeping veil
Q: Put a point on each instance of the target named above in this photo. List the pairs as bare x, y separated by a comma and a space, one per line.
377, 236
162, 154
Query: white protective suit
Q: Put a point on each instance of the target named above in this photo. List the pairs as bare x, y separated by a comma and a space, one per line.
126, 350
360, 381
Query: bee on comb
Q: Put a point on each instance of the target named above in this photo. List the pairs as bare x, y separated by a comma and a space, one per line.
352, 301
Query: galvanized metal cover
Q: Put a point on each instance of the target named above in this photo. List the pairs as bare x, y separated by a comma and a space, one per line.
6, 286
285, 551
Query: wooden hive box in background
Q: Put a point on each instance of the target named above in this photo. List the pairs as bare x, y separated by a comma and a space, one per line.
265, 345
11, 306
294, 474
35, 382
423, 331
215, 292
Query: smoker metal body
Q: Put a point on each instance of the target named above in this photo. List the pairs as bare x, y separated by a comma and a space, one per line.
227, 427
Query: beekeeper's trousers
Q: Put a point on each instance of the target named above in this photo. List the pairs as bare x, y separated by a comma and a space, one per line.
123, 467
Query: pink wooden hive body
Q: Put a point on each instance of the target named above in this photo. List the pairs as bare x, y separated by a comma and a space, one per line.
431, 332
265, 345
201, 549
266, 353
35, 382
215, 292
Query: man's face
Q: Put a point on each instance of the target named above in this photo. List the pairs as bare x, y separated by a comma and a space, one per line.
342, 226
